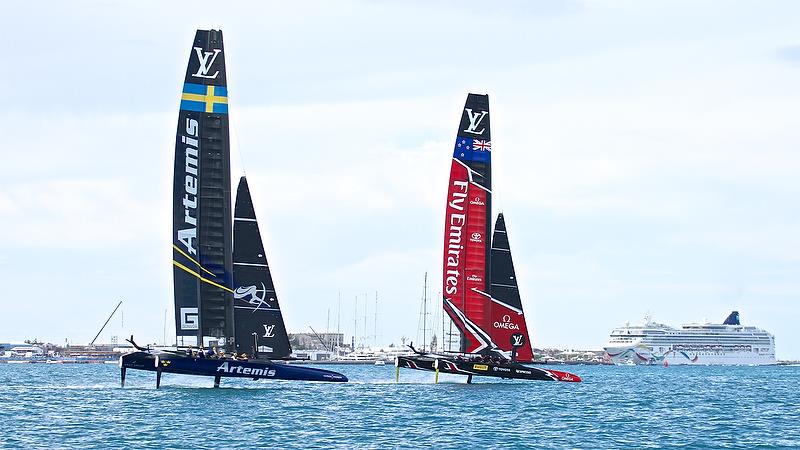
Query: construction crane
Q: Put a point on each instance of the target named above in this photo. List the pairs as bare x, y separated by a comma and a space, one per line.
104, 325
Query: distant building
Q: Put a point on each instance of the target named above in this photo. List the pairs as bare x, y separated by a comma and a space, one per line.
26, 351
313, 355
319, 341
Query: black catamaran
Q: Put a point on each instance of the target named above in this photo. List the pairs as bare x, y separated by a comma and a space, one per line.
481, 296
224, 295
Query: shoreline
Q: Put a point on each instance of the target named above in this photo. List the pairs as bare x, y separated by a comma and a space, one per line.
320, 363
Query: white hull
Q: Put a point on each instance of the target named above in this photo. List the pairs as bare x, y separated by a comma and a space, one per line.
641, 356
729, 344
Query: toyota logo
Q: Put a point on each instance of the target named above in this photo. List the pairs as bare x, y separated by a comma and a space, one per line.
476, 236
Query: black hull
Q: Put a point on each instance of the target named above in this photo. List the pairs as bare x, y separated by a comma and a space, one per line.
175, 362
418, 362
445, 364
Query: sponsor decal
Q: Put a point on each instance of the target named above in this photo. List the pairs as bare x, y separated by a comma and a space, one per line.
475, 278
480, 367
475, 237
206, 60
475, 120
526, 372
506, 324
188, 235
501, 369
477, 201
455, 223
517, 340
483, 146
252, 295
189, 318
235, 368
268, 331
204, 98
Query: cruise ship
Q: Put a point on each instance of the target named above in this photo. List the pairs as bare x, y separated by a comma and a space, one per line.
728, 343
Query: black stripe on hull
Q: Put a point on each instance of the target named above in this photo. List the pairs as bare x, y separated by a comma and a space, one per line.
169, 362
417, 362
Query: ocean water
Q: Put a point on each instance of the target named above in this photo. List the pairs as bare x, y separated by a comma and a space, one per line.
68, 406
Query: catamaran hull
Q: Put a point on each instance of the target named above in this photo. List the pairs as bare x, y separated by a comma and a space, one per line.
415, 362
505, 370
218, 368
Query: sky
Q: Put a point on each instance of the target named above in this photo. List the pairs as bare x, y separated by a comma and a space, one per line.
644, 153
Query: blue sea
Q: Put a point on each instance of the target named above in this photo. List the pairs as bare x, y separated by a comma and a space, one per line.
83, 406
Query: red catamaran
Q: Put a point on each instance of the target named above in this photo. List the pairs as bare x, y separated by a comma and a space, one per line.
479, 285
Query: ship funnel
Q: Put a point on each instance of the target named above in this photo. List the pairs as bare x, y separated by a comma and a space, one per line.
733, 319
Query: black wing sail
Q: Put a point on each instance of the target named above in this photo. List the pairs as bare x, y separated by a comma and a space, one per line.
201, 236
508, 320
257, 314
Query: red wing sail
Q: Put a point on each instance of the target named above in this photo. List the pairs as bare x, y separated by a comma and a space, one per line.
508, 320
467, 226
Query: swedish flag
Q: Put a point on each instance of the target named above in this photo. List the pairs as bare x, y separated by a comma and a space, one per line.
205, 98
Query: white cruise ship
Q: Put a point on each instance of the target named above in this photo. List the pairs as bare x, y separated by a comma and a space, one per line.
728, 343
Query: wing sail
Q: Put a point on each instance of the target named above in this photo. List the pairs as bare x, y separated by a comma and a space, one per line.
467, 226
201, 231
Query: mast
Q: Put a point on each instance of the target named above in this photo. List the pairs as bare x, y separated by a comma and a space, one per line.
466, 255
164, 337
366, 336
424, 310
202, 231
355, 323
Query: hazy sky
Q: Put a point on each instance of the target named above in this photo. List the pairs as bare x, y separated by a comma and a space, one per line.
645, 156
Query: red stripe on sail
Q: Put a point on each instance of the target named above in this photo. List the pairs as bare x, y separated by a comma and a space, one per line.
476, 305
